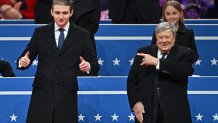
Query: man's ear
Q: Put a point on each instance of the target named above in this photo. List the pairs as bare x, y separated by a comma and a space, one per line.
71, 13
51, 12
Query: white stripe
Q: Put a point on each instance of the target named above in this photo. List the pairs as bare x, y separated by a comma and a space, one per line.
15, 38
110, 38
202, 92
15, 92
101, 92
5, 93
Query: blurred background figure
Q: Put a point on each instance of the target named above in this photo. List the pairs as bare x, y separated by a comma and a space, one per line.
17, 9
10, 9
104, 10
28, 9
134, 11
86, 14
42, 11
5, 69
212, 8
192, 11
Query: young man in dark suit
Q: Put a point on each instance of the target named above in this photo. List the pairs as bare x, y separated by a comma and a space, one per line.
134, 11
5, 69
63, 49
157, 81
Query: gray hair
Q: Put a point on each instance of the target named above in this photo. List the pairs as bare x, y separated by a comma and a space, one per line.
62, 2
165, 26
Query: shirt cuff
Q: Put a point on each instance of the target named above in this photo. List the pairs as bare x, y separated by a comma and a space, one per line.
89, 66
19, 64
158, 64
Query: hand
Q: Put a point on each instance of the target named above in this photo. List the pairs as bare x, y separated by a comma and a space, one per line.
84, 66
25, 61
139, 110
148, 59
18, 5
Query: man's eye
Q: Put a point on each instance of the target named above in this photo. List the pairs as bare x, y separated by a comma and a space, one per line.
57, 13
160, 37
65, 13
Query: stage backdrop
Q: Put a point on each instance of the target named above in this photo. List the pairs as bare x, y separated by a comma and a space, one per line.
104, 100
116, 46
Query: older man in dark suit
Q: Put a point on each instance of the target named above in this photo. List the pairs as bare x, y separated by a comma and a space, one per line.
63, 49
157, 81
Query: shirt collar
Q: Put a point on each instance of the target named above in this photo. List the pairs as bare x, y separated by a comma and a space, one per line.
159, 54
66, 27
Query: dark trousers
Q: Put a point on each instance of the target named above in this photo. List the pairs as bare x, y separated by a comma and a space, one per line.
158, 114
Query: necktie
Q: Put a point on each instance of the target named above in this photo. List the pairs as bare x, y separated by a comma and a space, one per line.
61, 38
163, 55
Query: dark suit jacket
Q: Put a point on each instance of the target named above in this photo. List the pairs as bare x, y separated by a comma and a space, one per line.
173, 78
55, 80
184, 37
5, 69
149, 9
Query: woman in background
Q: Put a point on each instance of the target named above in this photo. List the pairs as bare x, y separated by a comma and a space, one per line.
172, 12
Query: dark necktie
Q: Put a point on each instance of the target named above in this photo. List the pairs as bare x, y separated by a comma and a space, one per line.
61, 38
163, 55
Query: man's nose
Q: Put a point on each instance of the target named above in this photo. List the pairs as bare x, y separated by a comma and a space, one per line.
164, 39
61, 16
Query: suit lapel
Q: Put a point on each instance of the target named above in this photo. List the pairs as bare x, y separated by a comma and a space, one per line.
52, 41
154, 50
70, 37
153, 53
172, 53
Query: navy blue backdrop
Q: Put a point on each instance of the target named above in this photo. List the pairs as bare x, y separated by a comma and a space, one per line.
116, 46
104, 100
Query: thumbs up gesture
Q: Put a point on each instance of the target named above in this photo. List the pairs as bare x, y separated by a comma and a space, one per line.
84, 66
25, 61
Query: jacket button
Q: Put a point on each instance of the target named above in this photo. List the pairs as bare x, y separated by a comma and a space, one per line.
57, 71
59, 58
56, 85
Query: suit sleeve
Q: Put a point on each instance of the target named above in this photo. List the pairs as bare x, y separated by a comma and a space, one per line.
32, 48
89, 54
133, 82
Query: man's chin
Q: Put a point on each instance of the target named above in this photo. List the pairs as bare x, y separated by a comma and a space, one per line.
61, 24
165, 49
